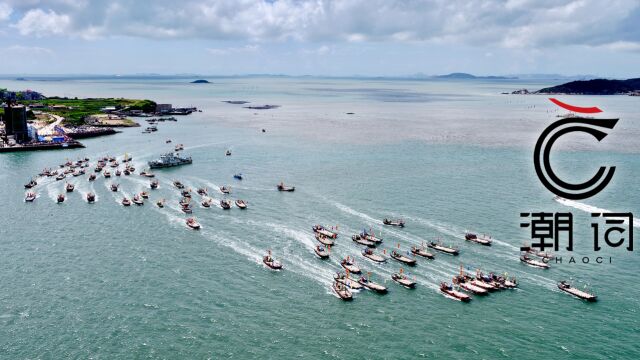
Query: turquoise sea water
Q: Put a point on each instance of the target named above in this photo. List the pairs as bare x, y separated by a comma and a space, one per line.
102, 281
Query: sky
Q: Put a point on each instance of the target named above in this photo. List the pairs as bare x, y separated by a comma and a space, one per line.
321, 37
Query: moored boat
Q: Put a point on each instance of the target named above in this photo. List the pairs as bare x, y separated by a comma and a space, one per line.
192, 223
341, 291
569, 289
324, 240
421, 251
398, 222
270, 262
482, 239
402, 258
535, 263
321, 251
375, 287
349, 264
442, 248
319, 229
241, 204
369, 254
283, 187
451, 292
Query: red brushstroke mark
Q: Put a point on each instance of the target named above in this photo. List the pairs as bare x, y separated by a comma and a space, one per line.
578, 109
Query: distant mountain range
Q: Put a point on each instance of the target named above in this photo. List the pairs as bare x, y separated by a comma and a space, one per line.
595, 87
466, 76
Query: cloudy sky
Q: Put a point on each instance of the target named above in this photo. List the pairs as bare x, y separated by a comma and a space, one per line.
320, 37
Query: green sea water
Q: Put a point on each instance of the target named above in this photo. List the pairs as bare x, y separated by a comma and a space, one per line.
103, 281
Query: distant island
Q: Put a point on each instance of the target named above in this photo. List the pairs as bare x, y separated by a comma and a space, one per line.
200, 81
466, 76
596, 87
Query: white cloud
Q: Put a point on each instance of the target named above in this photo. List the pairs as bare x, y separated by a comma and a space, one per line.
623, 46
5, 11
28, 50
512, 24
40, 23
233, 50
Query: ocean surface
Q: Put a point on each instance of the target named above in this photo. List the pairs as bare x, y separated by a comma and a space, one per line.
103, 281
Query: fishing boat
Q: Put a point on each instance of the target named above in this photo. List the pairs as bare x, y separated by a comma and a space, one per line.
77, 173
168, 141
270, 262
345, 280
421, 251
465, 284
92, 177
192, 223
375, 287
178, 184
160, 203
237, 176
30, 197
225, 190
321, 251
144, 195
225, 204
138, 200
566, 287
482, 239
341, 291
115, 164
69, 187
131, 169
402, 279
97, 169
282, 187
186, 193
541, 254
206, 203
118, 172
107, 174
179, 147
186, 208
228, 153
361, 241
403, 259
60, 198
126, 172
91, 197
369, 254
114, 187
450, 291
154, 184
126, 202
319, 229
148, 174
184, 201
535, 263
442, 248
398, 222
350, 265
60, 177
202, 191
241, 204
371, 237
324, 240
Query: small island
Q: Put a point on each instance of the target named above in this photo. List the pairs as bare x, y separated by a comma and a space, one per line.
596, 87
200, 81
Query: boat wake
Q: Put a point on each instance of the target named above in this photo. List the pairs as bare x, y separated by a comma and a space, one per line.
591, 209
